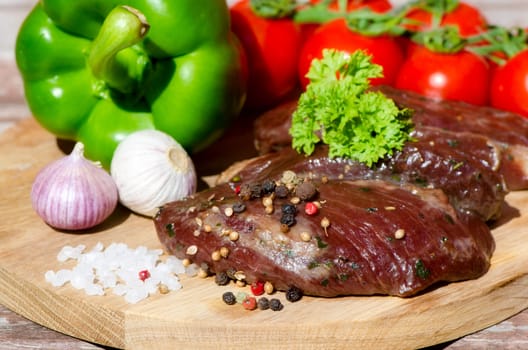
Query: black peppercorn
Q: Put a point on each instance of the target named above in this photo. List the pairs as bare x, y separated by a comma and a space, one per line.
275, 304
222, 278
289, 209
268, 186
256, 190
294, 294
239, 207
288, 219
281, 191
263, 303
229, 298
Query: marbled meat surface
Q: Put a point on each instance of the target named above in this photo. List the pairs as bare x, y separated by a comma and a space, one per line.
368, 237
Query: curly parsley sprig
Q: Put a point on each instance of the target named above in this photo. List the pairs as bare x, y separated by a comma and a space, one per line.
338, 110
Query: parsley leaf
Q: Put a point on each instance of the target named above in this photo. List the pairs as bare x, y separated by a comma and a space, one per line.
338, 109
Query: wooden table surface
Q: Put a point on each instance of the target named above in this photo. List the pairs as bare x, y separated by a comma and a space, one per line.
17, 332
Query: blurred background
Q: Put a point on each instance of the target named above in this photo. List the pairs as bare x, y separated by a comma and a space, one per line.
503, 12
13, 12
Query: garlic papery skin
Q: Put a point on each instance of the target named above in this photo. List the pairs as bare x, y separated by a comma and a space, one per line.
151, 169
74, 193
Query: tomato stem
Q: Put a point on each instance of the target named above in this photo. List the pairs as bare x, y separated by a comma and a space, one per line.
442, 39
273, 8
371, 23
437, 8
363, 20
318, 13
498, 43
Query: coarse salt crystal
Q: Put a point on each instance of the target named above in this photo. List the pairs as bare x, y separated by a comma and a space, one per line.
59, 278
69, 252
175, 265
98, 247
94, 289
79, 280
106, 278
172, 283
150, 286
117, 268
119, 289
192, 270
135, 295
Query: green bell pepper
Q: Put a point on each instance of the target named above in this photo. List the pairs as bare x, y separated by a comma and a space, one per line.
97, 70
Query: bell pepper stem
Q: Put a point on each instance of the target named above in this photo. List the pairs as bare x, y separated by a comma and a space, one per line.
113, 57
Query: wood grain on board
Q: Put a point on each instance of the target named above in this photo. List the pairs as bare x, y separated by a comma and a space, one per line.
196, 317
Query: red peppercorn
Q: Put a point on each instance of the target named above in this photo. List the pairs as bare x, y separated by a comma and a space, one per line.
257, 288
144, 274
249, 303
310, 208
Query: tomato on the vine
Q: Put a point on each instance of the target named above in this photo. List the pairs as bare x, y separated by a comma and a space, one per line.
461, 76
374, 5
379, 6
467, 18
272, 49
509, 85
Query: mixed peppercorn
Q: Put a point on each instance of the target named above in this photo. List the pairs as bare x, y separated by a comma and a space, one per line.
300, 190
293, 191
251, 302
297, 190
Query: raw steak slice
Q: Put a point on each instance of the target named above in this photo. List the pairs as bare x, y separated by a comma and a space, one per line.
378, 238
505, 131
463, 165
508, 131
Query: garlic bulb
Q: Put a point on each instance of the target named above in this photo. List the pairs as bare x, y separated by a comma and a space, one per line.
74, 193
150, 169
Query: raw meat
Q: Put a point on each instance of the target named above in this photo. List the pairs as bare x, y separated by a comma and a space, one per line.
415, 219
380, 239
505, 131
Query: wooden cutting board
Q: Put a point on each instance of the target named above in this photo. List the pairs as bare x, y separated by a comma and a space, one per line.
196, 318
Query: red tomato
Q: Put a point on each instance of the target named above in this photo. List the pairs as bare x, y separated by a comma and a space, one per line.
272, 50
335, 34
467, 18
461, 76
509, 85
378, 6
